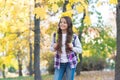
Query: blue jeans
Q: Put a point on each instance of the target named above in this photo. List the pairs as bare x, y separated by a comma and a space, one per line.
64, 67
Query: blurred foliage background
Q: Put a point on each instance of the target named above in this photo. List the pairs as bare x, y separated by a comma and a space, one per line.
97, 34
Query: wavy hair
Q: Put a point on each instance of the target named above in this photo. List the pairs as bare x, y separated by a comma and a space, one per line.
68, 37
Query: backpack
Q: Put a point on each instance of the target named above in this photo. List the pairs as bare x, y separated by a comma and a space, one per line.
73, 42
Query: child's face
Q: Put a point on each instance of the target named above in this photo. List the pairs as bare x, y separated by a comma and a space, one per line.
63, 24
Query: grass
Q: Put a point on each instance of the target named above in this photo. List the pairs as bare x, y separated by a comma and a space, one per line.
87, 75
47, 77
44, 77
19, 78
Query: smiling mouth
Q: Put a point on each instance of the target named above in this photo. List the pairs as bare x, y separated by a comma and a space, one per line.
62, 26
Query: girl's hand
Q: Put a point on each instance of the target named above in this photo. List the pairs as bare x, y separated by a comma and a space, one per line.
70, 45
55, 46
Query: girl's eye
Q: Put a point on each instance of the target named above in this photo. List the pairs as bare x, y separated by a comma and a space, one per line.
63, 22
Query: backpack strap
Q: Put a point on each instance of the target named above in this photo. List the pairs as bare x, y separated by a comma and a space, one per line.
54, 37
74, 37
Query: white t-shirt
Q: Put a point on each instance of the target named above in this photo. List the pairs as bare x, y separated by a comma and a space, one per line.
63, 58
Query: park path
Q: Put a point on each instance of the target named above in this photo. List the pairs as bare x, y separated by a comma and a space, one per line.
96, 75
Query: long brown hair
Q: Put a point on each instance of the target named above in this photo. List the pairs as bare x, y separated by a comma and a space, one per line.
68, 37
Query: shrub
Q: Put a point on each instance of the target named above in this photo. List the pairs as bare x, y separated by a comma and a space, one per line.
51, 66
49, 57
12, 69
93, 63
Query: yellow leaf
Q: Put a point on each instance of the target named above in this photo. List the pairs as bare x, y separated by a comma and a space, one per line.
53, 1
69, 7
113, 1
99, 4
74, 1
2, 3
15, 64
75, 29
79, 8
15, 10
14, 29
87, 53
67, 13
5, 27
12, 36
40, 12
3, 59
55, 7
87, 20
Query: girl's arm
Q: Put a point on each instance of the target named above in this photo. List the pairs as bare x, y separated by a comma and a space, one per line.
78, 46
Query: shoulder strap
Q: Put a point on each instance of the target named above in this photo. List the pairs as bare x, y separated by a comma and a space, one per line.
74, 37
54, 37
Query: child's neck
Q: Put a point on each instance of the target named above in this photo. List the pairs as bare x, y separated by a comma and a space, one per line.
64, 32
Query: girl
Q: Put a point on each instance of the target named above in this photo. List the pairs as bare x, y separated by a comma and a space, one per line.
65, 59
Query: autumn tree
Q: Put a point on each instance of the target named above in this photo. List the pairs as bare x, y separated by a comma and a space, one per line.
30, 67
37, 45
117, 65
13, 25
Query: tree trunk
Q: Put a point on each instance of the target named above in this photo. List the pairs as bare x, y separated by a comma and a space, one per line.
37, 50
30, 44
30, 63
64, 5
117, 65
36, 47
3, 73
79, 65
20, 66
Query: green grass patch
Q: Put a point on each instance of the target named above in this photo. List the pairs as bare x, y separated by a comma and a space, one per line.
44, 77
47, 77
20, 78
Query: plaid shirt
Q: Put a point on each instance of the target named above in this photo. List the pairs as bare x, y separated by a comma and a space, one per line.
72, 58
